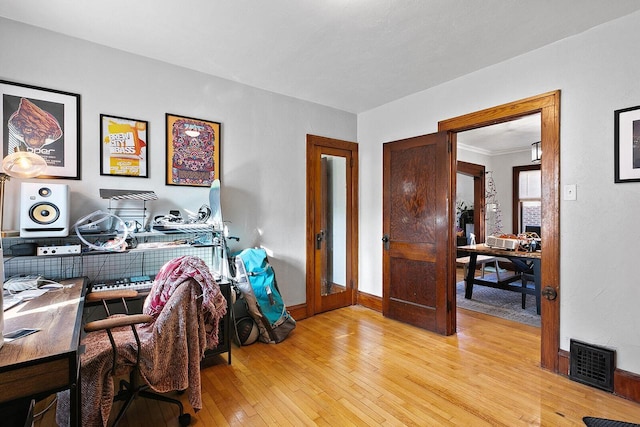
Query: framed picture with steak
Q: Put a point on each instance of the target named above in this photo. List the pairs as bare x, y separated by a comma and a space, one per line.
42, 121
193, 151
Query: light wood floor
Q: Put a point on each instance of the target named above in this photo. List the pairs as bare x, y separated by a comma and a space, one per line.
355, 367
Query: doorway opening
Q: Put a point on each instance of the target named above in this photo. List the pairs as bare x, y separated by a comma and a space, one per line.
497, 150
548, 105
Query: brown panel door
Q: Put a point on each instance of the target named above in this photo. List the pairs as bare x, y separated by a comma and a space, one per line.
416, 209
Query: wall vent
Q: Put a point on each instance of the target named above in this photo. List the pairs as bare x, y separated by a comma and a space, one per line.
592, 365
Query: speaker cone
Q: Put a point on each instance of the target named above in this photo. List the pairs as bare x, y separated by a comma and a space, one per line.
44, 213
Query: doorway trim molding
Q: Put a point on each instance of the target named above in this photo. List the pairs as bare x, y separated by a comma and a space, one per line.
548, 104
477, 172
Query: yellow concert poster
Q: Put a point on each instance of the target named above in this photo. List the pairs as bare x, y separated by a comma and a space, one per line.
124, 146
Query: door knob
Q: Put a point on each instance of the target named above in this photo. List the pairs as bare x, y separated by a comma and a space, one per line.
385, 239
549, 293
319, 239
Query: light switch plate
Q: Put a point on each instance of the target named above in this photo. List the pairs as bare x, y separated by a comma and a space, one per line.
570, 192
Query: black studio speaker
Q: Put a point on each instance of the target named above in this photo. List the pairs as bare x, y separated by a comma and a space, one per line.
44, 210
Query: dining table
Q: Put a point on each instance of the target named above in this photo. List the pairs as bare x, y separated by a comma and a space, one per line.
507, 282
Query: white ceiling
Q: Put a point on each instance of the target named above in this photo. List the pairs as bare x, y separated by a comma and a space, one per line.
503, 138
349, 54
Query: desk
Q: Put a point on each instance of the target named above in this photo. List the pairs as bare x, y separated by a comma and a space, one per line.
49, 360
481, 249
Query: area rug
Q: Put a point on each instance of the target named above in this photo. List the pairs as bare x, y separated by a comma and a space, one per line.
499, 303
602, 422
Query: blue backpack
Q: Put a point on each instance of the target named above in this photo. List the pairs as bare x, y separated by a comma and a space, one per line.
257, 282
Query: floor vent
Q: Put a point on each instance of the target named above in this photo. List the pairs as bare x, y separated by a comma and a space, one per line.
592, 365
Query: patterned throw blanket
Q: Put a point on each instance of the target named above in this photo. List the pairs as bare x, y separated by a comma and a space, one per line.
176, 271
182, 298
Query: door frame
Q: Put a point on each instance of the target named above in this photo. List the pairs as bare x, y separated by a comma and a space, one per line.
548, 104
477, 172
315, 145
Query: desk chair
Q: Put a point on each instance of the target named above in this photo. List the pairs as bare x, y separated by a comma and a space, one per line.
186, 304
133, 388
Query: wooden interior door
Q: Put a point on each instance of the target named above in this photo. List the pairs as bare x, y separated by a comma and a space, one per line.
417, 208
332, 223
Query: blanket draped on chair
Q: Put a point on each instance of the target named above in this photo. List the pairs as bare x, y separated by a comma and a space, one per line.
182, 300
172, 274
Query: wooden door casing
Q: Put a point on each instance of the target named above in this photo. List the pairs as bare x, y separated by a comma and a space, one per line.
478, 173
548, 105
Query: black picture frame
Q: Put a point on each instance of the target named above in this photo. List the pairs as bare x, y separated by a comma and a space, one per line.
627, 145
124, 146
43, 121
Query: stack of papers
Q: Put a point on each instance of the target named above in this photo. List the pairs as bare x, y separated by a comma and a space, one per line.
9, 301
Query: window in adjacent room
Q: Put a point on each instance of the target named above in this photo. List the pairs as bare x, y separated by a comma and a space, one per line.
527, 197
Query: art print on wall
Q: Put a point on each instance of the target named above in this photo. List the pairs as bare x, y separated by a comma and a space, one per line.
42, 121
627, 145
124, 146
193, 151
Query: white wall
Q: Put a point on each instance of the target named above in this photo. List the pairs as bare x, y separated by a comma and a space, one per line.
263, 138
502, 172
597, 72
501, 168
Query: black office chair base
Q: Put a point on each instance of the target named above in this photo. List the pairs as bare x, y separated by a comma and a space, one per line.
128, 391
184, 420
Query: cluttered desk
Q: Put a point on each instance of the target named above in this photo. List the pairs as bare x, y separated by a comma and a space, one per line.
46, 361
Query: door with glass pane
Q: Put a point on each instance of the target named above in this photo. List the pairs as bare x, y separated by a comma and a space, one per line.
331, 223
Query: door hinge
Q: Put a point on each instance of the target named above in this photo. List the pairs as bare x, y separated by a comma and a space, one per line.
448, 306
449, 147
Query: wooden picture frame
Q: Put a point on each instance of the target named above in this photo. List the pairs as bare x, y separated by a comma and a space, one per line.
193, 151
43, 121
124, 146
627, 145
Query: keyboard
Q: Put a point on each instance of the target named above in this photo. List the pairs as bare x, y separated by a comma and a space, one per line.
137, 283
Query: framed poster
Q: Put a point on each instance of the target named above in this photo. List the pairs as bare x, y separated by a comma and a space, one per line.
193, 151
42, 121
627, 144
124, 146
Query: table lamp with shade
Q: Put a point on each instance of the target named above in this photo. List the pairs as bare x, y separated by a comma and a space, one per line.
20, 164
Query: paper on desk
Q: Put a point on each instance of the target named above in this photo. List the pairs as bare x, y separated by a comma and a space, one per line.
31, 294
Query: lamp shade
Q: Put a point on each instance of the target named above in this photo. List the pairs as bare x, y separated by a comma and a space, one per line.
23, 164
536, 152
